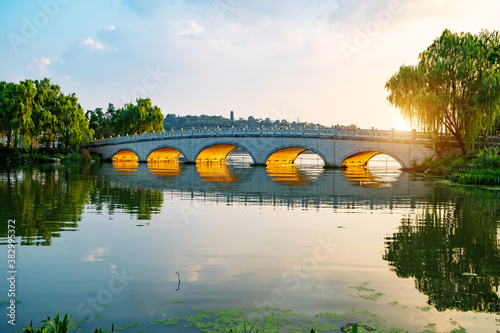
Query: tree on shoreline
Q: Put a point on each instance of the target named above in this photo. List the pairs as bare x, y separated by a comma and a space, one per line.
174, 122
130, 119
39, 112
16, 104
455, 88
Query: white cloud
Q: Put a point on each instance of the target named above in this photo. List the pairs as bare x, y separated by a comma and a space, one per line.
39, 66
257, 57
95, 45
187, 27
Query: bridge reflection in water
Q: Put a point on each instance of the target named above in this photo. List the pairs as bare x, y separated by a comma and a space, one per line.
166, 170
447, 240
167, 167
126, 168
291, 175
215, 172
363, 176
444, 243
305, 186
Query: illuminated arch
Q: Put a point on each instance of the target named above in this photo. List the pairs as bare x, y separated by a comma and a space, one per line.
215, 153
219, 151
125, 156
164, 154
361, 158
288, 155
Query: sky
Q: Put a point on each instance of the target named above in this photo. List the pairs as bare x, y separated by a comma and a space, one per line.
321, 61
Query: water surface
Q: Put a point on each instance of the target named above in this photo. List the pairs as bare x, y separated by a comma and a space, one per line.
110, 243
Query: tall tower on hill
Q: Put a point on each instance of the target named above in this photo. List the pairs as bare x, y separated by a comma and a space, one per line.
231, 117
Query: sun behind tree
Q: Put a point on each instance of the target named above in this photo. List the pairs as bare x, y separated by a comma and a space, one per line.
455, 87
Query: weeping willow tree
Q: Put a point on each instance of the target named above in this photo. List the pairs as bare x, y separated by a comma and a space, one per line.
454, 88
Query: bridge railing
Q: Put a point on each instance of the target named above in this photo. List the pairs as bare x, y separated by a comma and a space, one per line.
336, 131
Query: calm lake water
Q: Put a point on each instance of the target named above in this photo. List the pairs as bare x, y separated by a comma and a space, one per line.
185, 248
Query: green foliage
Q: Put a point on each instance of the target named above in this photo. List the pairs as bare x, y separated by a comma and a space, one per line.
443, 166
488, 158
245, 328
366, 293
100, 330
456, 86
75, 157
477, 177
37, 112
31, 329
452, 243
495, 127
86, 155
16, 107
173, 122
56, 325
40, 156
130, 119
96, 158
484, 169
215, 321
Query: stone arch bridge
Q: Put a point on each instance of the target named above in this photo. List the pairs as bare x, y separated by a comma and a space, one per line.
338, 147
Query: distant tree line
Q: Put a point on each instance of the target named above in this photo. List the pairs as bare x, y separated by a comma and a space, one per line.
186, 122
129, 119
37, 112
34, 113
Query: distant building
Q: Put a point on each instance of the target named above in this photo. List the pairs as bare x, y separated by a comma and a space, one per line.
231, 117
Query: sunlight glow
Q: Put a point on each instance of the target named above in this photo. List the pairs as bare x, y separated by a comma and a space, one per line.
402, 125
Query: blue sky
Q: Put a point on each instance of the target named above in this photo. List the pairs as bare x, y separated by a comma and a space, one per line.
323, 61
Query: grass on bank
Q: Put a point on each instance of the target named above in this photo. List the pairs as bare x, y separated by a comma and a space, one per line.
480, 169
64, 325
39, 156
231, 321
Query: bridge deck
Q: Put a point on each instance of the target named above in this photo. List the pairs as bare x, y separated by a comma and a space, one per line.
267, 131
335, 145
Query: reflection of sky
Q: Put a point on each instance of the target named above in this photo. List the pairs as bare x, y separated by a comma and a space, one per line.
227, 256
213, 56
95, 255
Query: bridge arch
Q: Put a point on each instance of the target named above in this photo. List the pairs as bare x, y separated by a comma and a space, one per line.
125, 155
362, 156
288, 154
219, 150
162, 153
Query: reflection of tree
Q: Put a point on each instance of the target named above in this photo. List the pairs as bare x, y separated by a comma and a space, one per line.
142, 202
451, 249
44, 201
